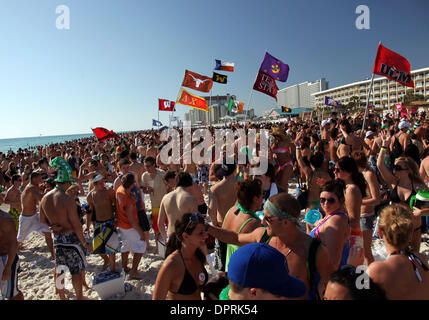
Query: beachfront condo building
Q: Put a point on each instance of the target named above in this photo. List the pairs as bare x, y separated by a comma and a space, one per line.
218, 106
385, 94
301, 95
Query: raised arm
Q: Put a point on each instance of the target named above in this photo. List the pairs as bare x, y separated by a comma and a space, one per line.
385, 174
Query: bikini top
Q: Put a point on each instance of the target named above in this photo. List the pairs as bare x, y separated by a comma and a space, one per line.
394, 196
315, 232
414, 261
188, 285
280, 150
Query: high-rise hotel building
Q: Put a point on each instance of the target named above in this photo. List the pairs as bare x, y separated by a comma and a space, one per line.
385, 92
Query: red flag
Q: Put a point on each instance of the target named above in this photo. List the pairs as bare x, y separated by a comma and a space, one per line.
392, 66
265, 84
193, 101
166, 105
103, 134
197, 82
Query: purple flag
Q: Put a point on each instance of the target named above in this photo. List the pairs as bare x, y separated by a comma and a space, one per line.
331, 102
274, 68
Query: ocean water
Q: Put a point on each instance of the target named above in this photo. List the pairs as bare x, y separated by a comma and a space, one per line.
16, 143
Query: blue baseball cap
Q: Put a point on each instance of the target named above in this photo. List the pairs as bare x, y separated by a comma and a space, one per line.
258, 265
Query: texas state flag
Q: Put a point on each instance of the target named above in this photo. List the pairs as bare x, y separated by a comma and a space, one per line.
224, 66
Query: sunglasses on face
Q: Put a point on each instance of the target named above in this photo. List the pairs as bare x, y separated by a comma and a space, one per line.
329, 200
336, 169
269, 219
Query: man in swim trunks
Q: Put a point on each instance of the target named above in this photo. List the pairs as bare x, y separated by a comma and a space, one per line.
29, 219
101, 203
154, 184
59, 212
13, 199
8, 259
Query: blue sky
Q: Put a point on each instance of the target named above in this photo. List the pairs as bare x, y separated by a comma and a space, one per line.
119, 57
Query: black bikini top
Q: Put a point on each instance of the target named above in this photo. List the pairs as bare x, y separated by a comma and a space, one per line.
188, 285
394, 196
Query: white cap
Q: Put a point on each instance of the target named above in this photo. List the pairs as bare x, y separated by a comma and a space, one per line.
324, 123
369, 133
403, 124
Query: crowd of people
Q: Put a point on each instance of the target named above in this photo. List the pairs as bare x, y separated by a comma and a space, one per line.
354, 184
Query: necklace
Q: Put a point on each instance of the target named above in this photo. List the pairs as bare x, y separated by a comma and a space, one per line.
277, 246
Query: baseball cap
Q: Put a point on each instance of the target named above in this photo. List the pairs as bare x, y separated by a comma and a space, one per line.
368, 133
403, 124
258, 265
324, 123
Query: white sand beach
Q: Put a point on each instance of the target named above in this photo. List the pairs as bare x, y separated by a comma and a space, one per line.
36, 278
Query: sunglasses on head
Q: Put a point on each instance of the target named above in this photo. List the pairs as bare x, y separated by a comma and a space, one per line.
329, 200
195, 217
397, 167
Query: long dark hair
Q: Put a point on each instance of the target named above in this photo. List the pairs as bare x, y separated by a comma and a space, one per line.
349, 164
184, 224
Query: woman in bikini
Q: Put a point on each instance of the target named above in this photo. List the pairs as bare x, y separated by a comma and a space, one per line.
403, 183
403, 275
183, 274
347, 170
242, 217
334, 229
282, 150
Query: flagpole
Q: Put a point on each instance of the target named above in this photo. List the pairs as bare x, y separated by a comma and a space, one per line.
369, 94
210, 101
250, 99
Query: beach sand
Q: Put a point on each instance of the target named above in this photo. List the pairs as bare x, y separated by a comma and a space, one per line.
36, 278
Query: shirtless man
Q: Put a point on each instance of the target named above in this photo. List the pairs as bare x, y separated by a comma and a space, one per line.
137, 168
8, 259
101, 202
176, 203
281, 214
222, 195
29, 219
13, 199
59, 212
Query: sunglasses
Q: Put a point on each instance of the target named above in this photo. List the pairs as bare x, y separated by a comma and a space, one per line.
329, 200
269, 219
397, 167
195, 217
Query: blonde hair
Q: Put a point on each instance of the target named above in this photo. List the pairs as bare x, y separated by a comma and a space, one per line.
396, 223
413, 167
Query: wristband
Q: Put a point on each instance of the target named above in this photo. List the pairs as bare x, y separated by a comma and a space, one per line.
385, 148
